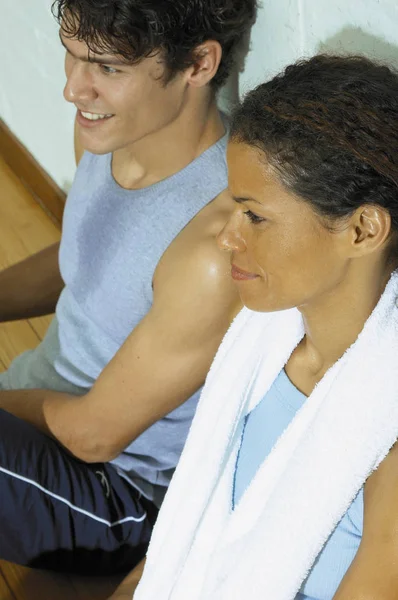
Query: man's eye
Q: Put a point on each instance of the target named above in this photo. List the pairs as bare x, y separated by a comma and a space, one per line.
108, 70
254, 218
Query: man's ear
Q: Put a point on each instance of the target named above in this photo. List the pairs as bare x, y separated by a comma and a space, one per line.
208, 58
370, 227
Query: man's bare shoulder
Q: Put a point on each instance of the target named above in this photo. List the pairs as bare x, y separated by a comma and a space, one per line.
212, 218
194, 262
198, 240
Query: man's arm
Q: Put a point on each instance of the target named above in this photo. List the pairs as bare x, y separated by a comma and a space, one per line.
162, 363
31, 288
373, 574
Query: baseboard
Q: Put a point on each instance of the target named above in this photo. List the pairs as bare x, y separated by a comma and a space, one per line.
33, 176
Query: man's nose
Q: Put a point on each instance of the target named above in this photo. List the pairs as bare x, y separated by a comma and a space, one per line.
79, 87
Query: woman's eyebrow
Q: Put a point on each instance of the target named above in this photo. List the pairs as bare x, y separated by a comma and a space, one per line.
240, 199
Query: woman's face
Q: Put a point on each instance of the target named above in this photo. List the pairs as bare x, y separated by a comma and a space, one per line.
282, 253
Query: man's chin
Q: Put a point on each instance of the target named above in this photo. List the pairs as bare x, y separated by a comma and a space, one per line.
96, 146
94, 142
98, 151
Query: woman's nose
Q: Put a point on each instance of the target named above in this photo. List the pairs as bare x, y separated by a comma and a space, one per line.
230, 237
79, 86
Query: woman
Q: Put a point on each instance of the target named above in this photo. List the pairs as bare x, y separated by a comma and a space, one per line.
288, 485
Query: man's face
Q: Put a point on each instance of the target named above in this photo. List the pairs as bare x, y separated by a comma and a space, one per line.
118, 103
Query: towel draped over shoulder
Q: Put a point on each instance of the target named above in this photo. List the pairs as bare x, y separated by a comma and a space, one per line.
264, 549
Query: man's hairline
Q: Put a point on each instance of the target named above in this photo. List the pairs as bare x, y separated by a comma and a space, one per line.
108, 60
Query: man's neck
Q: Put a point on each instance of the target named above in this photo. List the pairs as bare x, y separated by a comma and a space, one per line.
168, 151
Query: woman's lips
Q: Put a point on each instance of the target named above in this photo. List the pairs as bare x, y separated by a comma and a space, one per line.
240, 275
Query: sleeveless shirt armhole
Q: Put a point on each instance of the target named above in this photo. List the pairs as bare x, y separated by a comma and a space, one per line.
355, 514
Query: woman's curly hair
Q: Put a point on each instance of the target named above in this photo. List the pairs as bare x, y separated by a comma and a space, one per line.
329, 127
135, 29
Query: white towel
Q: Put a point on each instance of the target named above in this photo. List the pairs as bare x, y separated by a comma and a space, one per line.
264, 549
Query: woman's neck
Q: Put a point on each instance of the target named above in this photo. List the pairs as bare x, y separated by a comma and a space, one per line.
333, 323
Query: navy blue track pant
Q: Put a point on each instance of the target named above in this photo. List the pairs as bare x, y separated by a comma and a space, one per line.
59, 513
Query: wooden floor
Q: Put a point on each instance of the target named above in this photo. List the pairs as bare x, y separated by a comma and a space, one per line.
24, 230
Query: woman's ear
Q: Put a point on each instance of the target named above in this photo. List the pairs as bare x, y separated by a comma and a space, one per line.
370, 227
208, 58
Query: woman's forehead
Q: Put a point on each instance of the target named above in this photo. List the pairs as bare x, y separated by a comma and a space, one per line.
249, 170
252, 178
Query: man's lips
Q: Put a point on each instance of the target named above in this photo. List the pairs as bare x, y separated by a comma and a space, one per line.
241, 275
87, 119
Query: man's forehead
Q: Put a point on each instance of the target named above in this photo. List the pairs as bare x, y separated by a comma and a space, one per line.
80, 50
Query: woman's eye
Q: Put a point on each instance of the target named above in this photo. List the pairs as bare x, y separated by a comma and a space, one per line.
108, 70
254, 218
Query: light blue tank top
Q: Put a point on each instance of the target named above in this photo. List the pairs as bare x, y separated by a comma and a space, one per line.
262, 428
112, 241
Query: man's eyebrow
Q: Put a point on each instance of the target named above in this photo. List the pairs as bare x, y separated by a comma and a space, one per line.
106, 60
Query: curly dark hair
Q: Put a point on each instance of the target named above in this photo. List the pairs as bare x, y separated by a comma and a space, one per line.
135, 29
329, 127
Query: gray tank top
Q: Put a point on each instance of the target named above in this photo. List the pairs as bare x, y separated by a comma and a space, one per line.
112, 241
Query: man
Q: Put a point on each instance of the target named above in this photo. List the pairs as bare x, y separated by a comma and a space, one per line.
142, 295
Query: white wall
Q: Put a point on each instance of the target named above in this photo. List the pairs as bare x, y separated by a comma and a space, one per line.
289, 29
31, 69
31, 84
